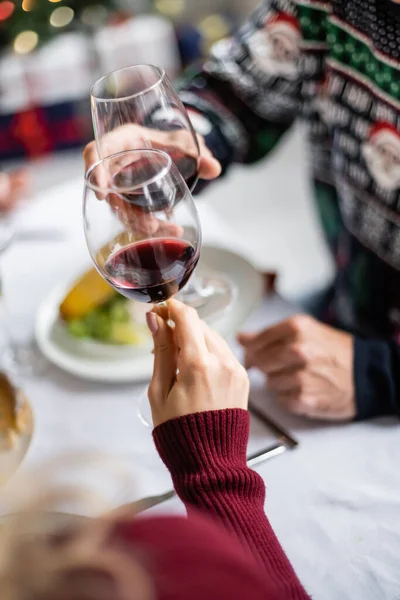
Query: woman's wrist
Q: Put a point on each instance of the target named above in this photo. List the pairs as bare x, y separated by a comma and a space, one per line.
204, 441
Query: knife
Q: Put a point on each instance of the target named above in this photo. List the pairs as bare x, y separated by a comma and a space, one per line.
287, 438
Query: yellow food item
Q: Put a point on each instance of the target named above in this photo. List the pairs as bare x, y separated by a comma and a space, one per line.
13, 413
123, 333
89, 291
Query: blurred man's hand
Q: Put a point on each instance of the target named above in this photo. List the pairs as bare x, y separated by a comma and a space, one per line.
309, 366
131, 137
13, 187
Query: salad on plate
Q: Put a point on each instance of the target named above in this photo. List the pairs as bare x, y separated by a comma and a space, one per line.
93, 310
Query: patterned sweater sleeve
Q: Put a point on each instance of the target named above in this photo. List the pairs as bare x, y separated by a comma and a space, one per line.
246, 95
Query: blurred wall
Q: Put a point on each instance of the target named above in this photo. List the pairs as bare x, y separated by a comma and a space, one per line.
210, 6
244, 7
196, 8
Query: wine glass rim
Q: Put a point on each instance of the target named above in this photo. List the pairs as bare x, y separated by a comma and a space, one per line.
127, 189
160, 71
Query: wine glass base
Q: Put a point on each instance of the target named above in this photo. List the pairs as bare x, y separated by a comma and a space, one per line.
215, 294
144, 410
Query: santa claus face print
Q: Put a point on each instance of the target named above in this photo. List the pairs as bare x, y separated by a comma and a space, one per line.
383, 161
283, 49
275, 49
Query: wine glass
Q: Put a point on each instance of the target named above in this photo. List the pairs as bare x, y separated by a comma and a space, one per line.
141, 225
6, 356
137, 107
17, 348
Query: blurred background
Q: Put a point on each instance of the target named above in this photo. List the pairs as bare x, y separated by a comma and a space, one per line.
51, 51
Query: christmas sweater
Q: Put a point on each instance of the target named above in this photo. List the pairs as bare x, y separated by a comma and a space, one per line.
336, 65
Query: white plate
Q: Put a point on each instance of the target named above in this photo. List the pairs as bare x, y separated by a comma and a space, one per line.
103, 362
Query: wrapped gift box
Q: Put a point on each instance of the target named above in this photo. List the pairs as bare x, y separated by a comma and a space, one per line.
37, 131
44, 104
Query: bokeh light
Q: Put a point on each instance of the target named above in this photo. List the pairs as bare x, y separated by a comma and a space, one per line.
61, 16
28, 5
25, 42
6, 9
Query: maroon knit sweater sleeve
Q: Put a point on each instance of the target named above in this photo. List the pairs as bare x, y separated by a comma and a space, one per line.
206, 456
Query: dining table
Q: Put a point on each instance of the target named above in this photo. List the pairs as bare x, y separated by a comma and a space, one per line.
333, 501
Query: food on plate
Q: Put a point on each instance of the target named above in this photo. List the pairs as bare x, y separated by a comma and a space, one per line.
88, 292
13, 413
113, 322
94, 310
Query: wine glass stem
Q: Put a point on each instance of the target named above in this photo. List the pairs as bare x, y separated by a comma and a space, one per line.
164, 304
4, 338
144, 396
194, 285
6, 347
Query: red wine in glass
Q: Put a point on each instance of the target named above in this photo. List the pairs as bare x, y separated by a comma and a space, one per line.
187, 165
151, 270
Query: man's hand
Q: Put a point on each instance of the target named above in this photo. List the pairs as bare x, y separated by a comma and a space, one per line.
130, 137
309, 366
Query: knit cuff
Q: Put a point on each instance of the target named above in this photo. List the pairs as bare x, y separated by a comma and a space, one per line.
203, 441
375, 378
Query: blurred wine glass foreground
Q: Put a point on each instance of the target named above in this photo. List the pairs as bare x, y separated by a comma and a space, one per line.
6, 235
18, 352
137, 107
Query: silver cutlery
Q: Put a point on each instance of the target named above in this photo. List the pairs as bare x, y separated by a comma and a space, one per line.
287, 438
40, 235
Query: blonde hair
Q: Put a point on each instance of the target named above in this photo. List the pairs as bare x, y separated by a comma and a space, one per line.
46, 554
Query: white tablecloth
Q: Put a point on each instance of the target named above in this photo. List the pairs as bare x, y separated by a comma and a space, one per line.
334, 502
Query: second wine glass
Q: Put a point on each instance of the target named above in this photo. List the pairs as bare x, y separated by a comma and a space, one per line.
137, 107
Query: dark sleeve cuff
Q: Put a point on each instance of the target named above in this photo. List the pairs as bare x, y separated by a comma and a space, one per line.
202, 442
377, 378
218, 146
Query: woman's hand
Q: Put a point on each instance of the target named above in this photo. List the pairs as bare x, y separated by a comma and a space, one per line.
194, 369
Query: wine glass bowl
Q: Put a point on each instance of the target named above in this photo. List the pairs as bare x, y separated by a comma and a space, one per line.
141, 224
137, 107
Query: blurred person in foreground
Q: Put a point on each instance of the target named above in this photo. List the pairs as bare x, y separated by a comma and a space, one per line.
226, 549
337, 66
